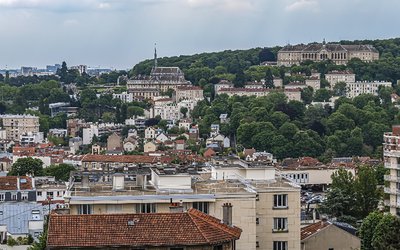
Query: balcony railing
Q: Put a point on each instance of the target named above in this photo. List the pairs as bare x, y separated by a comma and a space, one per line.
391, 178
388, 190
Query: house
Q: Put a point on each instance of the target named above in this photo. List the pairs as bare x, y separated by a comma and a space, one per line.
132, 132
150, 133
130, 144
194, 133
214, 130
329, 235
96, 149
162, 137
5, 164
209, 153
185, 123
114, 142
150, 147
223, 118
180, 145
175, 230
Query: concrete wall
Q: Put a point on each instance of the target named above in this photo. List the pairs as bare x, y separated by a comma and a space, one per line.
331, 237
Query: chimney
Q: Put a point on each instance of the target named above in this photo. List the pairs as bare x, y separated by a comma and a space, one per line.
33, 182
18, 183
227, 214
118, 182
176, 207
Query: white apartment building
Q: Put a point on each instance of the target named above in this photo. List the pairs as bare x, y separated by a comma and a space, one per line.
334, 77
124, 97
358, 88
88, 133
391, 155
17, 125
291, 93
31, 138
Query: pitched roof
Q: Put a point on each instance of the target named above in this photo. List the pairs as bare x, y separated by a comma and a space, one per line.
137, 230
10, 183
313, 229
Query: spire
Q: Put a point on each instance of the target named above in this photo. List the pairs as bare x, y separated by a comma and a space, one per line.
155, 55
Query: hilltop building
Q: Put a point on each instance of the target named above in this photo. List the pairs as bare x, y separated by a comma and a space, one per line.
338, 53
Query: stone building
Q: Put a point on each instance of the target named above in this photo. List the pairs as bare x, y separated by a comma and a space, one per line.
338, 53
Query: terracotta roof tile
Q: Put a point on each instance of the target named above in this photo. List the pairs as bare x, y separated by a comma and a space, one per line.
156, 229
10, 183
313, 229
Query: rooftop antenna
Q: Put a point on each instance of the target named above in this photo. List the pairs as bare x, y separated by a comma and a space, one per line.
155, 55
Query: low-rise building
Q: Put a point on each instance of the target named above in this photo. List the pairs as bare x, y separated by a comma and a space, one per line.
124, 97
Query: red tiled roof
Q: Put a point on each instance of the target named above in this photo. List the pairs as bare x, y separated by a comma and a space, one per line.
313, 229
5, 159
155, 229
125, 158
10, 183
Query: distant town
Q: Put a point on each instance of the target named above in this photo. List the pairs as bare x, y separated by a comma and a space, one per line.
283, 148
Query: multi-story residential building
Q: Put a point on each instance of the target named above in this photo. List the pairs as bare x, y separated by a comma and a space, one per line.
124, 97
313, 82
81, 68
295, 85
291, 93
31, 138
391, 155
266, 206
17, 125
358, 88
223, 84
88, 133
194, 93
334, 77
338, 53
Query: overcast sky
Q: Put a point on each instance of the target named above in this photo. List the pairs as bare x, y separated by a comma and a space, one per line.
120, 33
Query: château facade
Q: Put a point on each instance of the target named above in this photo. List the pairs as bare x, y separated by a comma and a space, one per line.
161, 79
338, 53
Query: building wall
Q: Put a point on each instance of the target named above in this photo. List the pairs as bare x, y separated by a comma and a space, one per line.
17, 125
266, 214
331, 237
359, 88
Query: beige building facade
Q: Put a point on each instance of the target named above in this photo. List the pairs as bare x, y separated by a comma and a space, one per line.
338, 53
334, 77
17, 125
291, 94
267, 210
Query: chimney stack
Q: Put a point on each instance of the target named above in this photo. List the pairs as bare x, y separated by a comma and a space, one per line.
18, 183
227, 214
118, 182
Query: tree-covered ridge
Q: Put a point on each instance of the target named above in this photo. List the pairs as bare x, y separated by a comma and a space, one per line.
240, 66
289, 129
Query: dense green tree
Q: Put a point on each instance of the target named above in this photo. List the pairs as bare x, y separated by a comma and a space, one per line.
367, 229
387, 233
340, 89
60, 172
25, 166
322, 95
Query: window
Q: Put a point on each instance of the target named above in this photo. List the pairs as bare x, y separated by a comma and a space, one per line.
257, 221
219, 247
50, 195
2, 196
257, 244
85, 209
13, 196
39, 193
146, 208
176, 248
280, 224
24, 196
280, 201
280, 245
201, 206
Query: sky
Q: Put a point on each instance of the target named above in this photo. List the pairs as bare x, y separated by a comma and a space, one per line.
118, 34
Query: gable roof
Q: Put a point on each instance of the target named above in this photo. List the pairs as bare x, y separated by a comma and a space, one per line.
11, 183
137, 230
313, 229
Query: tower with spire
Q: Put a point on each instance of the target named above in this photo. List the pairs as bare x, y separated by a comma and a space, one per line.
155, 55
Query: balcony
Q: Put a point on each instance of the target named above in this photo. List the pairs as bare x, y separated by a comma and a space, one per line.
392, 166
388, 190
391, 178
391, 153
